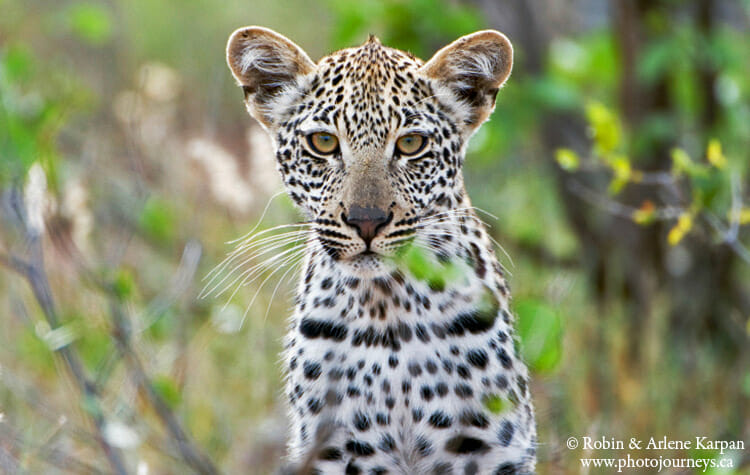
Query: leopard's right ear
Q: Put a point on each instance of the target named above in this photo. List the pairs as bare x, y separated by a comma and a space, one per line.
264, 64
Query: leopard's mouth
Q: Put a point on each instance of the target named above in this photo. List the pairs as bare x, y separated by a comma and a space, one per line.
366, 257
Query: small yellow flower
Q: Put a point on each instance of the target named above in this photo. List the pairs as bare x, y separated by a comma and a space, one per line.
715, 155
680, 229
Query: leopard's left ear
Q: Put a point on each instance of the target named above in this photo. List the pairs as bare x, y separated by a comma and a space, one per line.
473, 67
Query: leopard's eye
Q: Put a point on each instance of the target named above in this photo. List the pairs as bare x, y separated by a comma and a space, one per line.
410, 144
323, 143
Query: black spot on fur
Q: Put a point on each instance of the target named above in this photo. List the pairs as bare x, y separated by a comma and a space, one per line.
312, 328
475, 419
442, 468
462, 444
463, 391
330, 453
477, 358
506, 433
440, 420
359, 448
424, 446
361, 421
352, 468
311, 370
387, 444
507, 469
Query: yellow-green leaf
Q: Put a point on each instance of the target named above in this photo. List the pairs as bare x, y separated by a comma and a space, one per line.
715, 155
496, 404
124, 284
604, 126
540, 331
91, 22
681, 162
680, 229
742, 217
567, 159
620, 165
645, 214
167, 388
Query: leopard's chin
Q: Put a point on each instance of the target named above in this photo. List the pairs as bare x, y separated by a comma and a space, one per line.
367, 264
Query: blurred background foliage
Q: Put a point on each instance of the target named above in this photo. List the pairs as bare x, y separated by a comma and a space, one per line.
614, 171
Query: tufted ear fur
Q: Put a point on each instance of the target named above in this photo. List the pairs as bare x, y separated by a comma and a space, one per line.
264, 64
473, 67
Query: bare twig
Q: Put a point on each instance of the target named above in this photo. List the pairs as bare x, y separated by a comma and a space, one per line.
180, 282
736, 207
618, 209
191, 454
726, 235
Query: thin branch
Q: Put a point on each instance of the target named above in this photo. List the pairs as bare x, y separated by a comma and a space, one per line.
726, 235
736, 207
618, 209
191, 454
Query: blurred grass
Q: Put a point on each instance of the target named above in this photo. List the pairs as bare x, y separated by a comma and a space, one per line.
128, 108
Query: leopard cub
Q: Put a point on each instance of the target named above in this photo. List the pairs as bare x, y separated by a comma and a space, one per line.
400, 354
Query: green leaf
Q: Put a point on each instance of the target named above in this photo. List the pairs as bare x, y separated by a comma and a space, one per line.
90, 22
496, 404
32, 350
555, 93
746, 378
94, 346
423, 266
657, 58
16, 64
567, 159
540, 331
158, 220
124, 284
167, 389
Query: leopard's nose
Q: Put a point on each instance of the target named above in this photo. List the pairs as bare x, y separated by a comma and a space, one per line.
367, 221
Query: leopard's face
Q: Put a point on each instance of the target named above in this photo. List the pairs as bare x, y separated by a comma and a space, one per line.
370, 140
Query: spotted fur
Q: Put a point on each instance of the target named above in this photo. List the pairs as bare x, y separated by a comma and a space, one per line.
389, 372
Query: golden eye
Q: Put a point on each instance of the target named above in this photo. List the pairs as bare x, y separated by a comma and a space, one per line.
323, 143
410, 144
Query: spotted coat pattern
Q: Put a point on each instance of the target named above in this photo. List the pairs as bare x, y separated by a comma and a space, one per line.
389, 372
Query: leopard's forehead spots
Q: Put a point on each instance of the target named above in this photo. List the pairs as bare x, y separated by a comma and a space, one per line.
369, 92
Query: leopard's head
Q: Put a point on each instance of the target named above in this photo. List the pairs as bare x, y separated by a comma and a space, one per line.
370, 141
